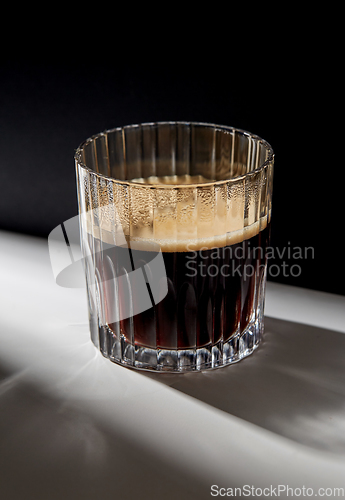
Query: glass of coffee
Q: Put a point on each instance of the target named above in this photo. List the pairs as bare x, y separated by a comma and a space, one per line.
174, 220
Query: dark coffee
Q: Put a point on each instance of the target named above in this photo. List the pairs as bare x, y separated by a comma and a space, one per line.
207, 294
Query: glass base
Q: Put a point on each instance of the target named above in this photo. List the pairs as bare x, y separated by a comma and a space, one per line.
209, 357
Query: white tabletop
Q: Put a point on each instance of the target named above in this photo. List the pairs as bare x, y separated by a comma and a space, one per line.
73, 425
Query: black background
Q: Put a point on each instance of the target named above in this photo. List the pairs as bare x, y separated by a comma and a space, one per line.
50, 105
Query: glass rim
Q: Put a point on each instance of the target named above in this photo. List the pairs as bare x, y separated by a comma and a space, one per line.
222, 128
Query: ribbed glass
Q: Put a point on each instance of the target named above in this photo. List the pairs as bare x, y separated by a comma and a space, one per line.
175, 221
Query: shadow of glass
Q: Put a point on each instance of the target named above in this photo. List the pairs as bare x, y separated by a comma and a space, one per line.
294, 385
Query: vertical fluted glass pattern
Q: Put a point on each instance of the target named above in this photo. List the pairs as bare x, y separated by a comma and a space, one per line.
175, 221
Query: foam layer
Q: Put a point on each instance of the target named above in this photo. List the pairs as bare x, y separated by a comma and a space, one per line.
216, 241
172, 180
117, 237
174, 225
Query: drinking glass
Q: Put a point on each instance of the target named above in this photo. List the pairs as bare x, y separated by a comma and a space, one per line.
174, 223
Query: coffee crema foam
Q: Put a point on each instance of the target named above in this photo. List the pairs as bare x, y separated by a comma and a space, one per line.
169, 239
173, 180
118, 238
